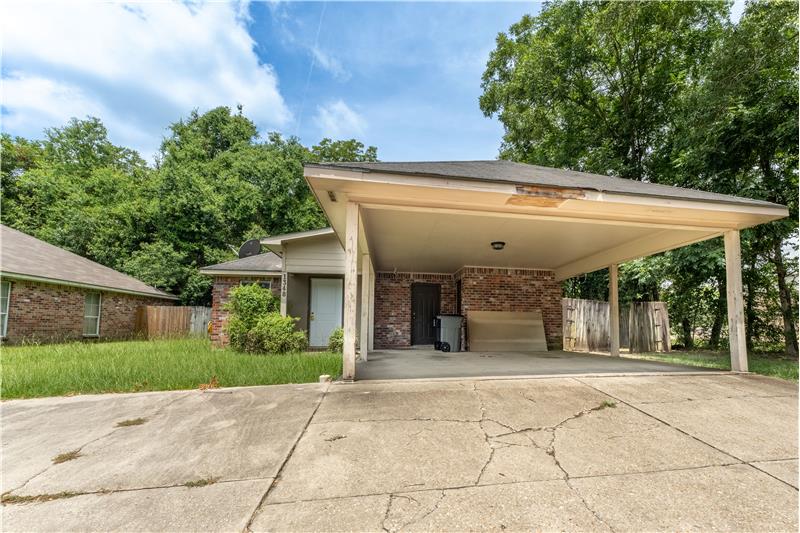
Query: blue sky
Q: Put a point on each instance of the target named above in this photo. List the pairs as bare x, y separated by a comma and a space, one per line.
404, 77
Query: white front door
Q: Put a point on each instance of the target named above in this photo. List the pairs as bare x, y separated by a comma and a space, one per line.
326, 309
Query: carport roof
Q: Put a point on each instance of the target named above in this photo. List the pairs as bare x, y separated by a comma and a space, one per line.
440, 216
501, 171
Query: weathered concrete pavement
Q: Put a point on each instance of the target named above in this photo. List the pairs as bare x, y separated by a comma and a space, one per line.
704, 453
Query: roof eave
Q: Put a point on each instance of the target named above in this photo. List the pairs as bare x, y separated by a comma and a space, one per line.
741, 201
236, 273
53, 281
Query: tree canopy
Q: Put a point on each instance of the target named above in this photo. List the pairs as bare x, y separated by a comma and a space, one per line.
215, 184
669, 92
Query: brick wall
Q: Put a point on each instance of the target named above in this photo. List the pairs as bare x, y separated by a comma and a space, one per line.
45, 312
393, 304
503, 289
220, 296
484, 289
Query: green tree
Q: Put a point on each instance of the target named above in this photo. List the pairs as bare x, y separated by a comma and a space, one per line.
736, 132
216, 183
669, 92
328, 151
589, 85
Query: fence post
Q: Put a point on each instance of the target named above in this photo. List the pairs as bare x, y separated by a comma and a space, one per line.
613, 299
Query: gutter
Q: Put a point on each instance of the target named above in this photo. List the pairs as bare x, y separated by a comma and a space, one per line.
52, 281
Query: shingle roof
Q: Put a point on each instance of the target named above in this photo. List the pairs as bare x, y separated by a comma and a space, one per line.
29, 257
266, 262
522, 174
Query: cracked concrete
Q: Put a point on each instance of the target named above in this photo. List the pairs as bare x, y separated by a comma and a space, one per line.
715, 452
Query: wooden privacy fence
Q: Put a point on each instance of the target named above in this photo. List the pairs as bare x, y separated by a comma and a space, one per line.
643, 326
154, 321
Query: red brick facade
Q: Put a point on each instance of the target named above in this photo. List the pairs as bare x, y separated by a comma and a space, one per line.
484, 289
44, 312
514, 289
219, 297
393, 305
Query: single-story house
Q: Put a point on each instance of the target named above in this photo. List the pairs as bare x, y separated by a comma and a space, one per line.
50, 294
411, 240
264, 269
305, 269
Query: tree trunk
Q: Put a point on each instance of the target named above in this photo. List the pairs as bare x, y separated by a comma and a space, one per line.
688, 340
719, 315
716, 328
750, 307
789, 331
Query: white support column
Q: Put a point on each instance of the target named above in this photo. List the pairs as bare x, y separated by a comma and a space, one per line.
371, 307
350, 291
366, 283
613, 299
733, 271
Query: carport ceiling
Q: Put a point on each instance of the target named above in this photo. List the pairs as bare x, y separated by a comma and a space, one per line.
443, 242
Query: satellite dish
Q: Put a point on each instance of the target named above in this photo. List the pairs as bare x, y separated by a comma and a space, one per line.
251, 247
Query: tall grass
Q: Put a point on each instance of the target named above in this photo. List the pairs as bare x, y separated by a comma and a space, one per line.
81, 368
767, 365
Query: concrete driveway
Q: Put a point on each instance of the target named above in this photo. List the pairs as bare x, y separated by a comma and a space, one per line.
672, 453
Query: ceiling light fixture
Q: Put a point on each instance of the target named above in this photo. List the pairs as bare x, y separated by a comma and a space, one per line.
498, 245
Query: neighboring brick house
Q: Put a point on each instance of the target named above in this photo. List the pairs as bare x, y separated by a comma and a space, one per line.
50, 294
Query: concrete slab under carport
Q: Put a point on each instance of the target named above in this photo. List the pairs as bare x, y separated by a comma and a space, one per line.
432, 364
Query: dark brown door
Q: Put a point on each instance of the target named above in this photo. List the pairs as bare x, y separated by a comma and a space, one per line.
424, 308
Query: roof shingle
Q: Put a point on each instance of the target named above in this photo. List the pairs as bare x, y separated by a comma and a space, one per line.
28, 256
266, 262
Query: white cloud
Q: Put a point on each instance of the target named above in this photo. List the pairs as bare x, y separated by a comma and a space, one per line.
329, 63
138, 67
338, 121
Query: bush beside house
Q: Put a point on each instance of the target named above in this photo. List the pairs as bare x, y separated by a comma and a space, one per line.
256, 326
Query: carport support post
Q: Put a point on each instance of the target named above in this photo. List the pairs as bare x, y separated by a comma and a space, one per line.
350, 291
371, 307
613, 299
366, 282
733, 271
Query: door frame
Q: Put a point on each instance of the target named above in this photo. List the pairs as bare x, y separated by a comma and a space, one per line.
308, 303
411, 300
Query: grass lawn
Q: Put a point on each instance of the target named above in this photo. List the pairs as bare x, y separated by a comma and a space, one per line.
768, 365
132, 366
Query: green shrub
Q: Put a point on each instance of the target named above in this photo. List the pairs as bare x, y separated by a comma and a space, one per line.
336, 341
255, 326
248, 303
274, 333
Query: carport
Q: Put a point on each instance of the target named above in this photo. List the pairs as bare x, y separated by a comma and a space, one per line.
438, 219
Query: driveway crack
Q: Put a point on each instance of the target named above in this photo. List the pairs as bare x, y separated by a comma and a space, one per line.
160, 409
551, 451
737, 459
247, 527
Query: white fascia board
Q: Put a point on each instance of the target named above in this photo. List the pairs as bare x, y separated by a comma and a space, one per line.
511, 189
